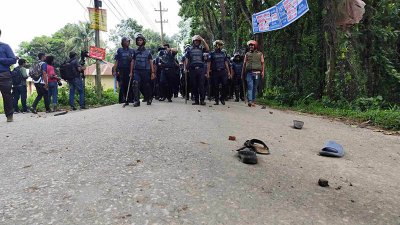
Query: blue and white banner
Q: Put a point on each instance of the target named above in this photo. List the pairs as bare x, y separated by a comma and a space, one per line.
279, 16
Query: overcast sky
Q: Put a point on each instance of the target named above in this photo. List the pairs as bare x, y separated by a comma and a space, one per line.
21, 20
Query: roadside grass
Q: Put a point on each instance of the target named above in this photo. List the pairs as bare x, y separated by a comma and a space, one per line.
388, 119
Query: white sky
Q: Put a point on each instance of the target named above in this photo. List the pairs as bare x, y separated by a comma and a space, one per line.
21, 20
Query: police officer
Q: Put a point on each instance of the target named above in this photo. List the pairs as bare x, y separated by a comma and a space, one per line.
168, 72
142, 71
157, 67
121, 69
185, 76
237, 66
195, 64
218, 67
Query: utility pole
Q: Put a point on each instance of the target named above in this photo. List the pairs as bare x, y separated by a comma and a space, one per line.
98, 5
161, 10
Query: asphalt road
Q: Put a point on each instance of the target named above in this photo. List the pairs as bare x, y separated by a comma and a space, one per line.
172, 163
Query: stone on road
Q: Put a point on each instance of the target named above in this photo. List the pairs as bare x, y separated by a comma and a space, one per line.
171, 163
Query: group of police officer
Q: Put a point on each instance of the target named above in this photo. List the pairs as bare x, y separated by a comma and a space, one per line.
163, 77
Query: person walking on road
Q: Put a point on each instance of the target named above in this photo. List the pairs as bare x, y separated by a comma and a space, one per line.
76, 83
41, 84
168, 72
253, 69
219, 71
237, 66
121, 70
53, 82
7, 58
19, 89
195, 65
142, 71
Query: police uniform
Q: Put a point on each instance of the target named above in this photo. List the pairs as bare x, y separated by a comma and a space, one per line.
219, 75
197, 72
237, 66
168, 74
142, 74
124, 58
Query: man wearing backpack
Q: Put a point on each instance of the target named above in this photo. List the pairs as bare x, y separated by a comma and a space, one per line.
7, 58
38, 72
19, 76
76, 83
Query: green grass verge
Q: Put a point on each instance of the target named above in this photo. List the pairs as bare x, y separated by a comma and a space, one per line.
386, 119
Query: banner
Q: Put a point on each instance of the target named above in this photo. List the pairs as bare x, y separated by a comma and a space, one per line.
267, 20
97, 53
98, 19
279, 16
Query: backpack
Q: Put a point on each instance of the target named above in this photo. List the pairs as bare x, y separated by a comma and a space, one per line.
36, 71
16, 76
67, 71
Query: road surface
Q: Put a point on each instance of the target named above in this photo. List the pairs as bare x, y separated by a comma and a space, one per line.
172, 163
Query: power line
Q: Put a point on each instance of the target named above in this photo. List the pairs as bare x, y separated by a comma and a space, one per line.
116, 9
84, 9
144, 13
109, 8
122, 9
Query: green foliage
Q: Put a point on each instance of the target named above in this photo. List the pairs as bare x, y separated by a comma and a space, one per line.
72, 37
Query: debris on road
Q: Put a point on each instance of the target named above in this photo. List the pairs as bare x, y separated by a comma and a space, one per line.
338, 188
263, 107
332, 149
61, 113
232, 138
297, 124
323, 183
270, 112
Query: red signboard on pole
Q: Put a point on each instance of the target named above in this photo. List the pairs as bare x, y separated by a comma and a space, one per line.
97, 53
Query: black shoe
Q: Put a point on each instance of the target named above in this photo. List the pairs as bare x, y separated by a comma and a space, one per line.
202, 103
169, 100
33, 110
136, 104
124, 105
161, 99
83, 107
242, 99
73, 108
48, 111
222, 102
195, 103
216, 103
10, 118
175, 95
237, 100
149, 102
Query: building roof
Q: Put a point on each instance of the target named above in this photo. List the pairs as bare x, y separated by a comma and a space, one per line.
106, 69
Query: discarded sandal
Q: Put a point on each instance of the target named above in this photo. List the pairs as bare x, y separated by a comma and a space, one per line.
258, 146
247, 156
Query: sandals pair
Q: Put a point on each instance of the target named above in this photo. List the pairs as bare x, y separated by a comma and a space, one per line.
248, 153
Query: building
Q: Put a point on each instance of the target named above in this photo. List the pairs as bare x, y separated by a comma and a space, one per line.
108, 81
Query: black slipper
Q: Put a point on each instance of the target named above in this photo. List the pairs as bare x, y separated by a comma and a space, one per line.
247, 156
258, 146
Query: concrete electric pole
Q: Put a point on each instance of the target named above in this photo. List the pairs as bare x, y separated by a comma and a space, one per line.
161, 10
98, 5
